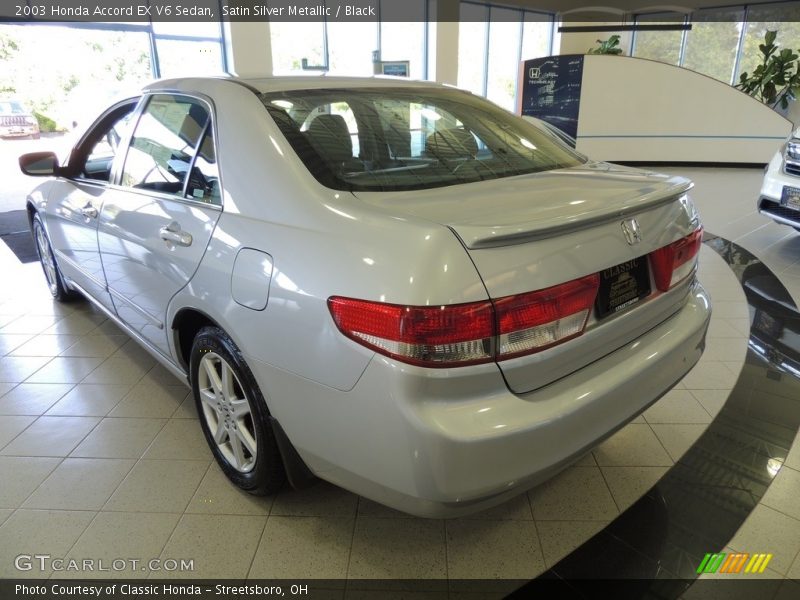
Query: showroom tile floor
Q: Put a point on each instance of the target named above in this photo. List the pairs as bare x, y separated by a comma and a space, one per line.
101, 455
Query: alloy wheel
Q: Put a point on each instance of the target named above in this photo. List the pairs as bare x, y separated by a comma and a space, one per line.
46, 258
227, 412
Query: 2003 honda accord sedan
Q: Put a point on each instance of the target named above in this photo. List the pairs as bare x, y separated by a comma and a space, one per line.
394, 286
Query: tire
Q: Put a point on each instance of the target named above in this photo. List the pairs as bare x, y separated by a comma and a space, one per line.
55, 281
35, 136
233, 414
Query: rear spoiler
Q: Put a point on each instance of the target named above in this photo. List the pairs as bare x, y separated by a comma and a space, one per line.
475, 237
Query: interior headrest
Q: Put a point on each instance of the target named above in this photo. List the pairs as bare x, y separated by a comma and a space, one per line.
193, 124
329, 135
450, 144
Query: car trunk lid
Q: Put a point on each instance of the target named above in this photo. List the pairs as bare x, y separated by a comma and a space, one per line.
519, 209
532, 232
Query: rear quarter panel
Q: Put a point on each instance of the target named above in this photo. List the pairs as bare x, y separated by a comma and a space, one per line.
323, 243
400, 263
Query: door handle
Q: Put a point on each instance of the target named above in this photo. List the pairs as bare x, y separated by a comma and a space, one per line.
89, 211
173, 233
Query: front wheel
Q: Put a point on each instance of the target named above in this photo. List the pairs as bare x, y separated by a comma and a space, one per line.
55, 281
233, 414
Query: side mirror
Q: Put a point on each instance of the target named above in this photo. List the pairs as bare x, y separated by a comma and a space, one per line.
39, 164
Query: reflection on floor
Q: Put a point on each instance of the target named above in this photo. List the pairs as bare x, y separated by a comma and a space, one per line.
101, 456
703, 500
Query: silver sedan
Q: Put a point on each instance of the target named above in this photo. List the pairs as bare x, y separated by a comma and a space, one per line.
394, 286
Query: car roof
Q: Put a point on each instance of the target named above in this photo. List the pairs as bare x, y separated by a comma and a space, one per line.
288, 83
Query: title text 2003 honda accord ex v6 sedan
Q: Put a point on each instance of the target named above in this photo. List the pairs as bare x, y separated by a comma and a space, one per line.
394, 286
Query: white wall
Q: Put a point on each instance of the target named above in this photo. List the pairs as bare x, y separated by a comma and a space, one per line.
443, 41
641, 110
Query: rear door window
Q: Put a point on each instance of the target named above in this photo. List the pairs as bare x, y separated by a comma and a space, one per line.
163, 146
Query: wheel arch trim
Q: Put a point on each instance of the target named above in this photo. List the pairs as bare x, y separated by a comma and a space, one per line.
182, 353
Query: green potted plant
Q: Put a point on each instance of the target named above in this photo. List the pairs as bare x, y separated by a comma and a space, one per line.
609, 46
777, 77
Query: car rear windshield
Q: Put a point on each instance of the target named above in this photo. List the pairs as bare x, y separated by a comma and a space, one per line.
391, 139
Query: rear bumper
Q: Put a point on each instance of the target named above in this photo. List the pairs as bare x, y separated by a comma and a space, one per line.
441, 443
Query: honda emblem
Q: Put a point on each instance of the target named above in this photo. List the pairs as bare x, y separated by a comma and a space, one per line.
633, 235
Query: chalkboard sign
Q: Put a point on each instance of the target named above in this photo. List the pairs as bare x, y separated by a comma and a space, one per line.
551, 90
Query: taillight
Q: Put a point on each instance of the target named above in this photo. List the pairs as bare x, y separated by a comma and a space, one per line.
432, 336
472, 333
675, 262
537, 320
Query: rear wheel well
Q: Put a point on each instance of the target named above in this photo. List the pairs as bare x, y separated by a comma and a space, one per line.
186, 325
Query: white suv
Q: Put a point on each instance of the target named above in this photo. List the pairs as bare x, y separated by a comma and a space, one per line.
780, 191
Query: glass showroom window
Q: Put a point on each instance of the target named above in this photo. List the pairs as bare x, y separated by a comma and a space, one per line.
783, 18
723, 42
504, 47
491, 42
664, 46
188, 48
179, 58
292, 42
712, 43
91, 68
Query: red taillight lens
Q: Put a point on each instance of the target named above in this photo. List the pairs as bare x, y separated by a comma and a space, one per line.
464, 334
433, 336
675, 262
537, 320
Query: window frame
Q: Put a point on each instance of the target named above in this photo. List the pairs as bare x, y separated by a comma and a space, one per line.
80, 152
119, 163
